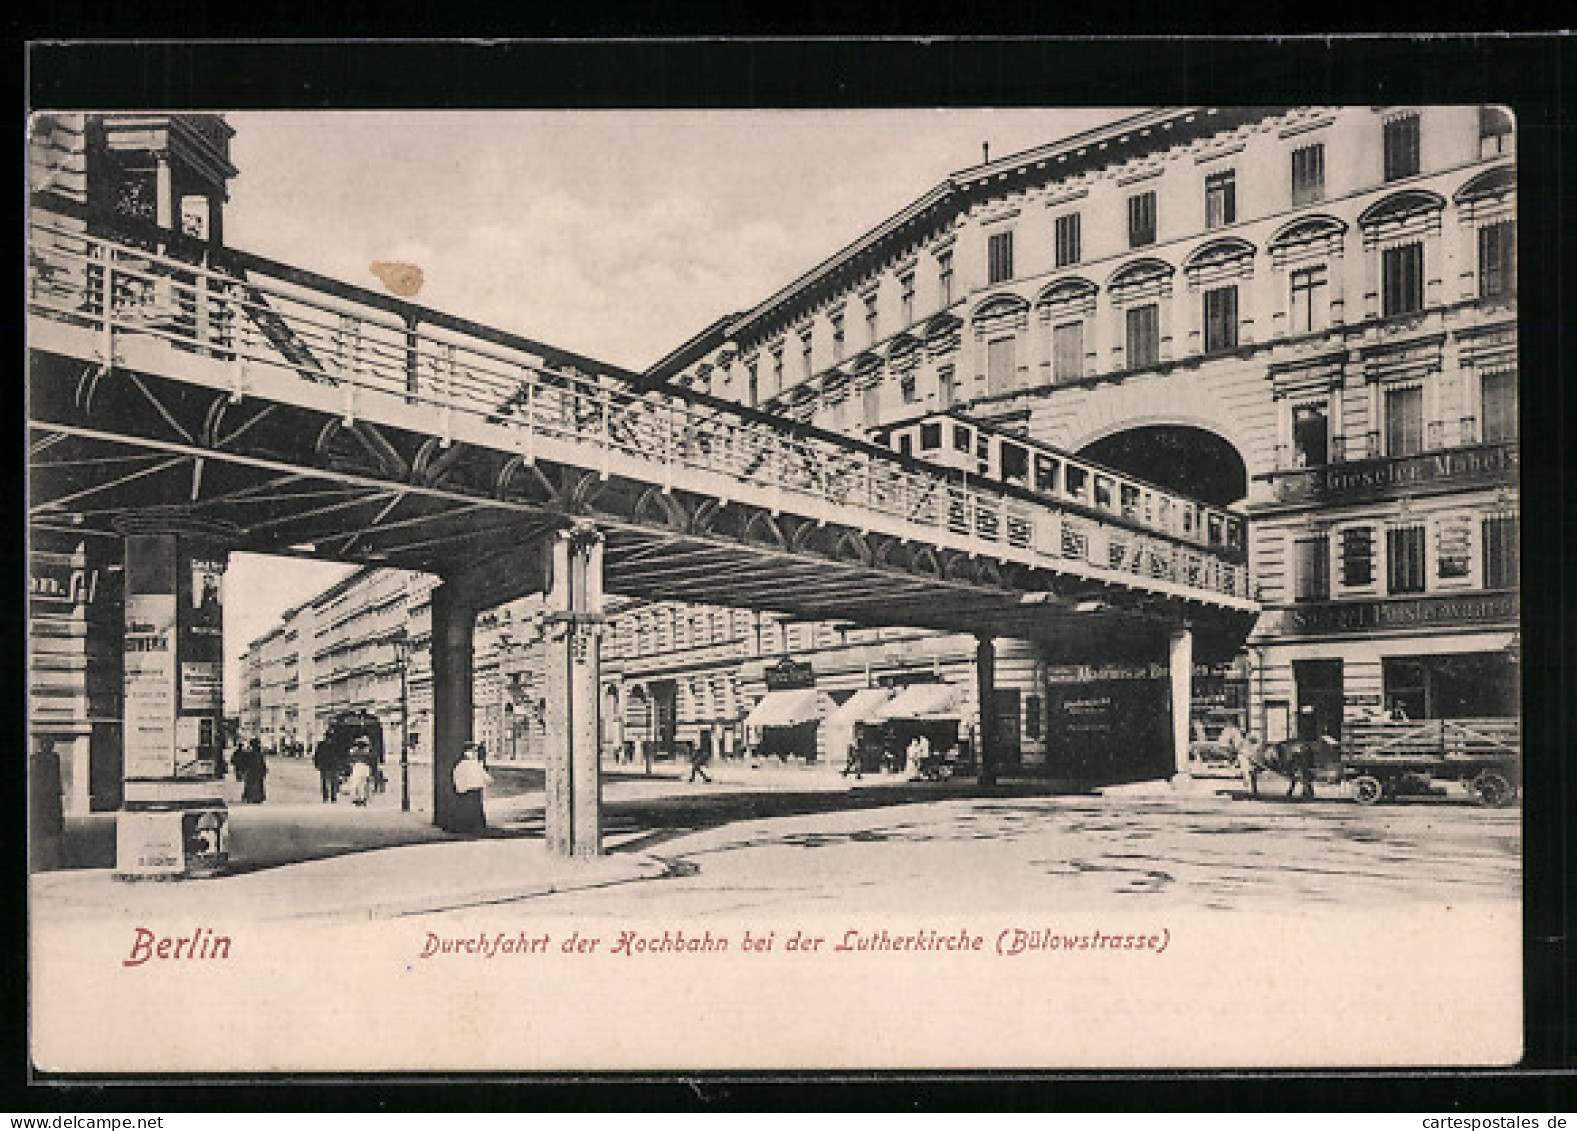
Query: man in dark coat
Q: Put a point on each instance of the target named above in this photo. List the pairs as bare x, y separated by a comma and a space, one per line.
329, 764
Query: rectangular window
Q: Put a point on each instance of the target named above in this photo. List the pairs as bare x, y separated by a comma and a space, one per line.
1045, 473
1497, 260
1308, 307
754, 393
1498, 392
999, 258
1404, 422
1453, 545
906, 297
1068, 240
944, 278
1312, 569
908, 388
1500, 551
1311, 436
1221, 319
1220, 199
804, 354
1067, 351
1001, 360
1308, 174
1401, 146
777, 371
1402, 280
1144, 336
1404, 551
870, 319
1358, 556
837, 336
946, 386
1032, 716
1141, 219
873, 402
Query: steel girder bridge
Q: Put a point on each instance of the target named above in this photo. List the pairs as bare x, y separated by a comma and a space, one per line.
181, 385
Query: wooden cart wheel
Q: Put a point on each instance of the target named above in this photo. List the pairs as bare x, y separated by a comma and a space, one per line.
1367, 790
1493, 788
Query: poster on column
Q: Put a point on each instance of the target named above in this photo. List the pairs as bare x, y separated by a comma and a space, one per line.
150, 685
1054, 885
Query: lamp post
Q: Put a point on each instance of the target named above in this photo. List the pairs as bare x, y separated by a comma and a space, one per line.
402, 653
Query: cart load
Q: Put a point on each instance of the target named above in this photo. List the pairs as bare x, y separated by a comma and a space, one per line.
1387, 758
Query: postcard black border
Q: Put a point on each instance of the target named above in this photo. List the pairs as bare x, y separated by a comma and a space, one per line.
1526, 72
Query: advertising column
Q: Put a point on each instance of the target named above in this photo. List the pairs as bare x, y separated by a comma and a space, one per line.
174, 822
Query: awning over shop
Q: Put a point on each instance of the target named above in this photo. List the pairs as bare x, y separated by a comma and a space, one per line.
859, 707
923, 701
784, 709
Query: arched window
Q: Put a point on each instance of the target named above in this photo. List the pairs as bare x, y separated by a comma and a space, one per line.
1066, 311
1398, 233
1142, 292
1215, 271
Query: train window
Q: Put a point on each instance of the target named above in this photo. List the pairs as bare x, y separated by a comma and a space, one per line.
1189, 516
1015, 465
1078, 481
906, 444
963, 439
1165, 514
1215, 529
930, 437
1234, 534
1045, 473
983, 448
1130, 497
1103, 492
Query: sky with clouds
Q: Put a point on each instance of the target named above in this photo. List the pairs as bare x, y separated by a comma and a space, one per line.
616, 234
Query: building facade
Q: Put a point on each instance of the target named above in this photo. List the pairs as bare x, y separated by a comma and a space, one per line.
1307, 314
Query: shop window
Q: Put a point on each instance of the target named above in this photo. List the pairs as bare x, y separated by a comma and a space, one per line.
1308, 306
1067, 351
1221, 319
1401, 146
1001, 365
1144, 335
1311, 435
1220, 199
999, 258
1404, 549
1032, 716
1141, 219
1068, 250
1497, 260
1404, 422
1404, 686
1358, 556
1453, 545
1308, 174
1402, 280
1500, 551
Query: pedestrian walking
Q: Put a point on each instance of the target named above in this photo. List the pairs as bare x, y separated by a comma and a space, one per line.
359, 784
326, 759
253, 771
699, 756
470, 780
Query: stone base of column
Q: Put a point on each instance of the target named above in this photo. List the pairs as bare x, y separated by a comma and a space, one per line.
172, 831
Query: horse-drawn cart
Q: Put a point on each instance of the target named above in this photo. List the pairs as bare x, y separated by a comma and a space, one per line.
1383, 759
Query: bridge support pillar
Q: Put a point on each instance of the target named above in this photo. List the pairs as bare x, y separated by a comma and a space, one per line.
454, 626
1180, 666
173, 822
985, 694
574, 623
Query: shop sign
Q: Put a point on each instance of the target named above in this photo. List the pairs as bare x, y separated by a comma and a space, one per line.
201, 686
789, 675
1380, 478
1416, 612
54, 583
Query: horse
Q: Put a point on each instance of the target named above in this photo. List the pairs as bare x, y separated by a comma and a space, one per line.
1297, 759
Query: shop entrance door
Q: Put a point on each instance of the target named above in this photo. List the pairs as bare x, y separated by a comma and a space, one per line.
1319, 697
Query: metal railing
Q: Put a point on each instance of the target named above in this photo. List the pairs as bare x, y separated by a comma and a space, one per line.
255, 325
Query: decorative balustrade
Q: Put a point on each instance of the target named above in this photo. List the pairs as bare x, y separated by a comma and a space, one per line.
257, 323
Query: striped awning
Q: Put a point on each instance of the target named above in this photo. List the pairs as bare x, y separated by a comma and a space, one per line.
859, 707
923, 701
